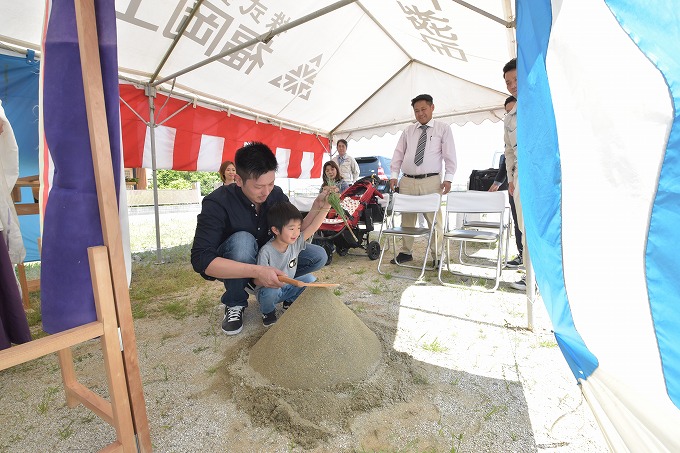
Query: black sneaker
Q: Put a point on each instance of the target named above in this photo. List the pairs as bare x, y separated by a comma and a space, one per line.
520, 285
233, 320
514, 263
269, 318
287, 304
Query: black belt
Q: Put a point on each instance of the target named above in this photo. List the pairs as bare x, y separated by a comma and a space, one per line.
421, 176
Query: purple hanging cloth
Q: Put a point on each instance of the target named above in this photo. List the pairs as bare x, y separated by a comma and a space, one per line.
72, 223
13, 324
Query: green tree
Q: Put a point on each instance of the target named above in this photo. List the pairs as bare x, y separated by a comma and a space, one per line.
173, 179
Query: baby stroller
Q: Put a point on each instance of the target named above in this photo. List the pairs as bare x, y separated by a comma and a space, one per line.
360, 203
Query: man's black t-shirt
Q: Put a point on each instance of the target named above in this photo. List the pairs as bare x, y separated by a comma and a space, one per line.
226, 211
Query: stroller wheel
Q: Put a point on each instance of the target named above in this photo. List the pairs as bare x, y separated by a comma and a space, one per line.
373, 250
342, 251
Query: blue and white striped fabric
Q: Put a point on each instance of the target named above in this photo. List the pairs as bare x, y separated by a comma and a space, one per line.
599, 163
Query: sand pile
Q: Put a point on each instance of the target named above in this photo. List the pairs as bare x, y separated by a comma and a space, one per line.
317, 343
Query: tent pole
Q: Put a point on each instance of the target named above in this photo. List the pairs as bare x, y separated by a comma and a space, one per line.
151, 94
183, 26
265, 37
483, 13
531, 288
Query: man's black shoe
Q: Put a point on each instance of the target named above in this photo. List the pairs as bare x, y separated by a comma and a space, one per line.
233, 320
402, 258
514, 263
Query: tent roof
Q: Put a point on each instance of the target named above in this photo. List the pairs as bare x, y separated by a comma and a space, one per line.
350, 72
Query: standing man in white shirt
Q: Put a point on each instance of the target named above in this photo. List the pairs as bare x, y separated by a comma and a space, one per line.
349, 169
422, 171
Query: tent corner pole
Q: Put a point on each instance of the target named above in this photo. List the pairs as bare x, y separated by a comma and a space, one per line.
531, 288
150, 92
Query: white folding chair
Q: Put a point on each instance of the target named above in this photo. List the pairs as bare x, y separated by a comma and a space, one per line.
474, 202
402, 203
468, 222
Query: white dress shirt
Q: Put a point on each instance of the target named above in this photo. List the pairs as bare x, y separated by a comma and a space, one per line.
438, 148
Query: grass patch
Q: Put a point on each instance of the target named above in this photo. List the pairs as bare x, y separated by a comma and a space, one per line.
204, 305
547, 344
359, 271
494, 410
48, 397
177, 309
434, 346
337, 291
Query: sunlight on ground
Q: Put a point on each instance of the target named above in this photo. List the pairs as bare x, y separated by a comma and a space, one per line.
458, 329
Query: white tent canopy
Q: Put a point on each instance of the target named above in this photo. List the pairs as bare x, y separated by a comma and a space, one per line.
346, 69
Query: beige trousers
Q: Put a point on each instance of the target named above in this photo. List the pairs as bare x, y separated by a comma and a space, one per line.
424, 186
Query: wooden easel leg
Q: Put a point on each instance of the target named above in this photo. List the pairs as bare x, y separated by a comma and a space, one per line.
108, 210
21, 271
68, 375
111, 348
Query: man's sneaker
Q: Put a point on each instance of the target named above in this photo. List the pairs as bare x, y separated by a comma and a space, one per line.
520, 285
287, 304
233, 320
514, 263
250, 288
269, 318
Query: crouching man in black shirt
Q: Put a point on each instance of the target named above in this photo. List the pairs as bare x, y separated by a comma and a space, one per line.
232, 226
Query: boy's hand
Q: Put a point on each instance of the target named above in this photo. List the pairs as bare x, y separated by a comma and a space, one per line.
268, 276
321, 201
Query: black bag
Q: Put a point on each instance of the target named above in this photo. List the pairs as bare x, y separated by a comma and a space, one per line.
483, 179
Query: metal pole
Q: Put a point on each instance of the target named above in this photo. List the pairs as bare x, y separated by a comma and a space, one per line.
531, 287
265, 37
151, 94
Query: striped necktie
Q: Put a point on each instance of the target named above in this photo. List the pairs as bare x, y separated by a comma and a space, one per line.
420, 149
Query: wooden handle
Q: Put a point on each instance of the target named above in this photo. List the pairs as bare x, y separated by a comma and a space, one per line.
298, 283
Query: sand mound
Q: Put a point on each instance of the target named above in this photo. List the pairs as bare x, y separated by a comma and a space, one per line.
317, 343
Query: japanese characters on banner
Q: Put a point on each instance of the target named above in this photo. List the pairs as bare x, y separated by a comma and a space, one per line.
435, 29
215, 28
200, 139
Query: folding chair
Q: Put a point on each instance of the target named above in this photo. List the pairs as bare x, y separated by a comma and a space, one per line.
477, 224
473, 202
401, 203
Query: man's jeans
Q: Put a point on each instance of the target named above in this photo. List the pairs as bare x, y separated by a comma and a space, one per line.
242, 247
269, 297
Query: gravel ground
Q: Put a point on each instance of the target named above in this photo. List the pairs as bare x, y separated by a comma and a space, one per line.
460, 372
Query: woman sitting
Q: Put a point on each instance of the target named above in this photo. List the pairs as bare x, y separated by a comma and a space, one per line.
331, 175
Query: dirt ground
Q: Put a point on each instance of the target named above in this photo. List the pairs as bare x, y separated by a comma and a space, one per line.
459, 372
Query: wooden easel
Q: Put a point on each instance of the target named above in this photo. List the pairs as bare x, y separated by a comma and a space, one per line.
126, 411
27, 286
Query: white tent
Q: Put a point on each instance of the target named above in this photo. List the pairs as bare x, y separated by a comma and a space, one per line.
346, 69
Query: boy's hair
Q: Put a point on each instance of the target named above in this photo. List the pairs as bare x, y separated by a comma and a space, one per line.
342, 140
509, 100
509, 66
254, 160
280, 214
223, 167
422, 97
